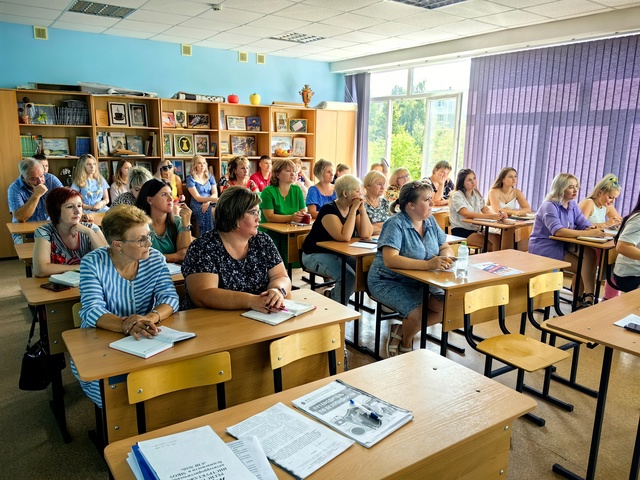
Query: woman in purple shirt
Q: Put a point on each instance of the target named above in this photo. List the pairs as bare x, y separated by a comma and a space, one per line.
560, 216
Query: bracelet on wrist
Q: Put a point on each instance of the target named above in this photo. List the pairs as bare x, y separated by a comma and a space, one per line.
185, 228
153, 310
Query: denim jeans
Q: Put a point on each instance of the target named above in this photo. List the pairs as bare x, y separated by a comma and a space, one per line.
330, 265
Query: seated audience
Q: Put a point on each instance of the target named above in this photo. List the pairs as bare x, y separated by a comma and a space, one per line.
467, 203
91, 185
138, 176
262, 177
238, 175
440, 183
170, 234
382, 167
504, 197
124, 287
598, 206
341, 220
398, 178
166, 173
44, 161
204, 193
283, 201
626, 273
341, 169
322, 192
234, 266
60, 245
302, 180
375, 204
560, 216
413, 240
120, 183
28, 192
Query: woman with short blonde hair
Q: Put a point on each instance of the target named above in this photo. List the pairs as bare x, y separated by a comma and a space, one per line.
375, 204
398, 178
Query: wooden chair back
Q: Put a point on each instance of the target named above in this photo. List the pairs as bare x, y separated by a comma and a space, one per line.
486, 297
75, 312
301, 345
447, 224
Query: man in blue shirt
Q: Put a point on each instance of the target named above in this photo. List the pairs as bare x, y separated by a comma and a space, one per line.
27, 194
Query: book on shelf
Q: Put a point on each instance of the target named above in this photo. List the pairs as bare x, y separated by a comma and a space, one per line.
30, 144
70, 278
135, 144
291, 309
595, 239
83, 145
353, 413
116, 141
148, 347
103, 146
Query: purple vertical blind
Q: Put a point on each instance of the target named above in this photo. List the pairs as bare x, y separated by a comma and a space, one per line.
572, 108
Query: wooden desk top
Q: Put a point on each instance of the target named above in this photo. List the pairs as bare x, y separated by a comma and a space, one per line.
602, 246
596, 323
24, 251
35, 295
421, 381
345, 248
499, 225
286, 228
24, 228
528, 263
215, 330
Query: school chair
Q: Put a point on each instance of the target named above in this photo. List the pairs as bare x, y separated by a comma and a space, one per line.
312, 274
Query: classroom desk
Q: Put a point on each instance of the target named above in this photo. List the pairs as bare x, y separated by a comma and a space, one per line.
596, 324
453, 313
53, 311
507, 231
27, 228
288, 234
604, 264
246, 340
468, 441
440, 214
25, 253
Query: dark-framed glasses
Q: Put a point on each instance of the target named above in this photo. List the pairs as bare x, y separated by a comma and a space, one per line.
143, 241
255, 212
164, 168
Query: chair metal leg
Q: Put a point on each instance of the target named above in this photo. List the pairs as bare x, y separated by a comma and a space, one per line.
539, 421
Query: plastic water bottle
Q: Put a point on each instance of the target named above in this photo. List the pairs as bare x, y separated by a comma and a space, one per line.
463, 260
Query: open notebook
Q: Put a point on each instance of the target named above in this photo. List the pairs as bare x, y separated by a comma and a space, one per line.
70, 278
292, 309
595, 239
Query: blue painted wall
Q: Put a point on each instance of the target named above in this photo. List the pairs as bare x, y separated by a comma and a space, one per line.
69, 57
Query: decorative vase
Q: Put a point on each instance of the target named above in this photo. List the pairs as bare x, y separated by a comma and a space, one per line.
306, 94
25, 119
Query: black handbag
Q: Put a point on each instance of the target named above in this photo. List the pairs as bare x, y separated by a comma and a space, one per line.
35, 373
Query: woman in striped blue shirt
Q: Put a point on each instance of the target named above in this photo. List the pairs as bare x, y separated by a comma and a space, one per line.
125, 287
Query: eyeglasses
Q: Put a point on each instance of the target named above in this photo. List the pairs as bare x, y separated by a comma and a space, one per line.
404, 177
164, 168
142, 241
255, 212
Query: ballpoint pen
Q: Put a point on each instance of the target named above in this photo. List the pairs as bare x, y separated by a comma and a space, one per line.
370, 413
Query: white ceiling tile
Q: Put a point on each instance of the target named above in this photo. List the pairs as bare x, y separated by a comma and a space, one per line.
231, 38
467, 28
157, 17
430, 19
392, 29
120, 32
188, 32
261, 6
321, 57
307, 12
428, 36
353, 22
40, 22
306, 48
360, 37
27, 11
285, 53
564, 8
322, 30
520, 3
617, 3
93, 20
171, 39
275, 21
272, 44
79, 27
208, 24
218, 45
513, 18
258, 47
140, 26
180, 7
122, 3
231, 15
333, 43
474, 8
394, 43
257, 32
388, 10
343, 5
59, 5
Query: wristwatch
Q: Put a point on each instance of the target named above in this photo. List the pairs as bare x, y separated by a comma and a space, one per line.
185, 228
283, 291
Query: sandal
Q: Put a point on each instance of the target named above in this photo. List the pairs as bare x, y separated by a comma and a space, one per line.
402, 349
586, 300
392, 350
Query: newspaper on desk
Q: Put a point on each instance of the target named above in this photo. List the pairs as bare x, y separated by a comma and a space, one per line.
354, 413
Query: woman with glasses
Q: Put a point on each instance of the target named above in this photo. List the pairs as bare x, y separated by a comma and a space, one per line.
398, 178
120, 183
165, 172
410, 239
375, 204
467, 203
559, 215
322, 192
504, 197
626, 273
60, 245
234, 266
138, 176
238, 175
91, 185
340, 220
440, 183
125, 287
170, 234
204, 193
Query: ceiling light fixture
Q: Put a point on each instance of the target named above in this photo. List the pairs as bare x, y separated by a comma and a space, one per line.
101, 9
429, 4
297, 38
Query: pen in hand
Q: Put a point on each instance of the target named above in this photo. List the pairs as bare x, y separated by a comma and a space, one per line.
367, 411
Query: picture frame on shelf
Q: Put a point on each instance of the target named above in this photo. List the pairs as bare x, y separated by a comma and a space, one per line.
198, 120
181, 118
103, 168
103, 146
187, 170
306, 168
135, 144
138, 115
43, 114
168, 120
167, 146
243, 145
144, 164
280, 142
221, 121
183, 144
118, 114
116, 141
201, 144
281, 123
224, 168
299, 147
55, 147
213, 149
178, 168
224, 147
298, 125
254, 124
102, 118
236, 123
114, 166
